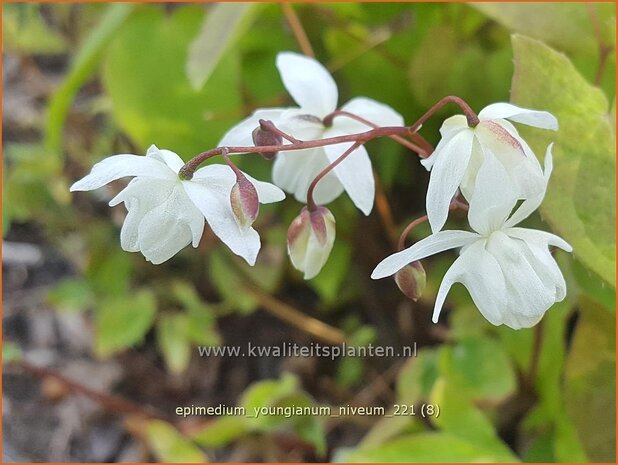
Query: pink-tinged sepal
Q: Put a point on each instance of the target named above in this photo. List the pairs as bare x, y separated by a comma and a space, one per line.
310, 240
411, 280
244, 202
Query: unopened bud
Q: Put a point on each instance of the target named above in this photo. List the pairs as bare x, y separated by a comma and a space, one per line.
244, 201
310, 240
263, 137
411, 280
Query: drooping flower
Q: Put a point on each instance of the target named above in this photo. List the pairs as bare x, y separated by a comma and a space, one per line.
510, 273
460, 154
165, 213
310, 239
316, 94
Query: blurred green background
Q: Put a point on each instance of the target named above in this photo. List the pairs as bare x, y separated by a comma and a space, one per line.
84, 81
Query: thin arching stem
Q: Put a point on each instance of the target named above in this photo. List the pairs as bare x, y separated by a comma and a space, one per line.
328, 121
310, 202
455, 204
186, 172
471, 116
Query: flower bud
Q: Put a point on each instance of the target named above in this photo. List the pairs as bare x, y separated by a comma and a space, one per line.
263, 137
244, 201
411, 280
310, 239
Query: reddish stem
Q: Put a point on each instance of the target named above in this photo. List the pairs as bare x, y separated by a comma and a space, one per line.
455, 204
186, 172
471, 116
268, 125
328, 121
310, 202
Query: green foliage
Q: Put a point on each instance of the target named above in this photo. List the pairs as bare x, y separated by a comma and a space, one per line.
479, 367
583, 182
152, 98
168, 445
590, 390
269, 394
123, 322
25, 31
423, 447
177, 332
460, 417
73, 295
222, 27
82, 68
10, 353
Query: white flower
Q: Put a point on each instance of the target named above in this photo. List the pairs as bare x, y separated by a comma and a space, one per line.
310, 240
509, 271
315, 92
459, 155
165, 213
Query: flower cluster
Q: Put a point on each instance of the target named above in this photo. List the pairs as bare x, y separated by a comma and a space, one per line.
481, 164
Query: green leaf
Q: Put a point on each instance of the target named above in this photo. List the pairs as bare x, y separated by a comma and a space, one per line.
82, 67
172, 335
168, 445
461, 418
122, 322
566, 26
72, 295
479, 367
417, 377
222, 431
590, 389
152, 98
200, 315
445, 56
229, 283
11, 353
583, 182
328, 283
25, 31
265, 394
350, 369
221, 28
423, 447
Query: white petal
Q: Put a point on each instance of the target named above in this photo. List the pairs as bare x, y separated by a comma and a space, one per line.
446, 175
450, 127
213, 200
169, 227
480, 273
355, 174
301, 125
513, 152
438, 242
241, 134
267, 192
546, 268
530, 205
368, 109
317, 254
538, 119
140, 196
118, 166
308, 82
493, 197
168, 157
540, 237
523, 283
224, 177
294, 171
